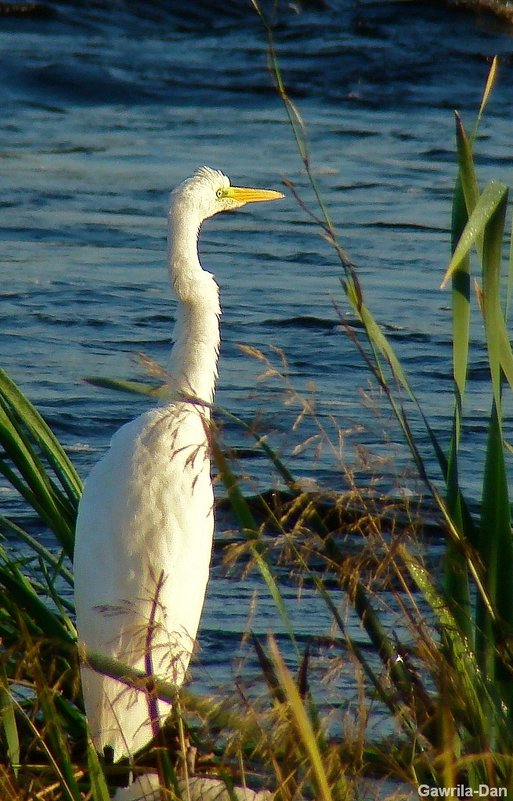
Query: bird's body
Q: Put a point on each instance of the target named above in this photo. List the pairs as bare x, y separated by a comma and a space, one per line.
145, 521
146, 571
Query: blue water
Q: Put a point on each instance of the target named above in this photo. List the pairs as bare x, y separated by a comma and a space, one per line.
106, 106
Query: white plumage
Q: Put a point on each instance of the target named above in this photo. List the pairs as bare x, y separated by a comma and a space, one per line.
145, 521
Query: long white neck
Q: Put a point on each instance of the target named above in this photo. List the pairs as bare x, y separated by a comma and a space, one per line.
193, 363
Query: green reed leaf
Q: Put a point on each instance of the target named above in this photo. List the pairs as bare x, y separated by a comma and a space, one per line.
496, 552
488, 203
27, 416
491, 79
8, 722
99, 788
467, 173
465, 197
35, 545
19, 591
24, 469
132, 387
492, 312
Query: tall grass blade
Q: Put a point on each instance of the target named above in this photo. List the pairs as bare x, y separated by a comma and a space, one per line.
53, 561
20, 596
99, 788
495, 544
465, 197
56, 739
268, 671
491, 80
248, 524
8, 720
25, 415
467, 176
32, 480
378, 340
466, 666
492, 312
133, 387
496, 552
509, 291
302, 725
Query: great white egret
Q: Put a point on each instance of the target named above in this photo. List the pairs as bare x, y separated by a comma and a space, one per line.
145, 521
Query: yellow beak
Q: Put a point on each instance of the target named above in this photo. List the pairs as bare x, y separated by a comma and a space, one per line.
245, 195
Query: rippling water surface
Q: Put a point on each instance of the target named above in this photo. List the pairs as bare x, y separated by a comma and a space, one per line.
106, 106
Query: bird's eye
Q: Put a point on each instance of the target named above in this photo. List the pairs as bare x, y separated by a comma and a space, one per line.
219, 193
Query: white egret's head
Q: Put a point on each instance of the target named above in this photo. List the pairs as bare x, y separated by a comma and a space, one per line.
209, 191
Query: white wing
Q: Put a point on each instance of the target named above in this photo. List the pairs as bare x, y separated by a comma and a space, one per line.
142, 555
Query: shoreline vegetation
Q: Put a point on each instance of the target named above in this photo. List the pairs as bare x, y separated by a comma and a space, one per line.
444, 682
499, 8
503, 9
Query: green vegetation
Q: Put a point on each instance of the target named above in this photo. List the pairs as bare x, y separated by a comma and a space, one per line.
449, 696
